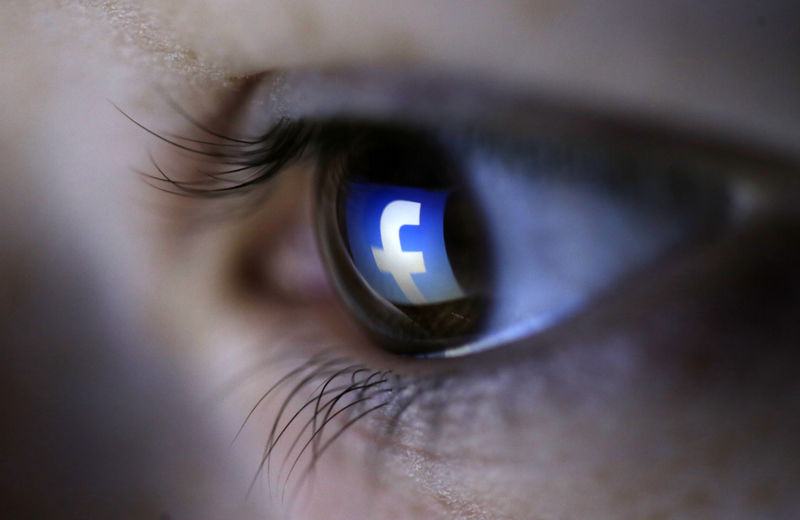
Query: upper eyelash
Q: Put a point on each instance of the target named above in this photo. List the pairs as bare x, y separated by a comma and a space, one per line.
241, 163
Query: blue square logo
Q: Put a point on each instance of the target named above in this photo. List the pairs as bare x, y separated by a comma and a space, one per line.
396, 237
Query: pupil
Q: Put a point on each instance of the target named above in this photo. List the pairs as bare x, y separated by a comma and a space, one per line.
413, 262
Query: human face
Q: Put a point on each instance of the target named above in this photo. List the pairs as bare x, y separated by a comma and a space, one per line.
140, 328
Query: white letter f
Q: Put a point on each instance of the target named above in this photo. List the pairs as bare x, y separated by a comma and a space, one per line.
392, 259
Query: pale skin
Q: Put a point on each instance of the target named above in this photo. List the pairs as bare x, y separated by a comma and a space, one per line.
138, 346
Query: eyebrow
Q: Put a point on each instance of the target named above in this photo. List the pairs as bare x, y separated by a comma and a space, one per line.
157, 46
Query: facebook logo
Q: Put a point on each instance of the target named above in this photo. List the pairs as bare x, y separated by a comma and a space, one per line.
396, 237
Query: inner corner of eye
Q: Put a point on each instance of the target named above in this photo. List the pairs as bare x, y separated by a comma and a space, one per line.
442, 246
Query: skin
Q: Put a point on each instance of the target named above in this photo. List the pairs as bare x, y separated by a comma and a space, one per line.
136, 340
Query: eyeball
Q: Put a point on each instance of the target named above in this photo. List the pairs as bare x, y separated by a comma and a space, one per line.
446, 242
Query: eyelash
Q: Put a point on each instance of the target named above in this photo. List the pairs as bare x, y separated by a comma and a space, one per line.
333, 379
243, 163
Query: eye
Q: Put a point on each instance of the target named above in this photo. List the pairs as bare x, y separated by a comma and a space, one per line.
451, 224
449, 240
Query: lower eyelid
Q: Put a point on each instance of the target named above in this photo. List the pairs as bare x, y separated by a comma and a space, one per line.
602, 358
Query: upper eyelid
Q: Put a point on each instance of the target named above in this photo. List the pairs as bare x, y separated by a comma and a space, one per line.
432, 99
271, 121
420, 97
269, 101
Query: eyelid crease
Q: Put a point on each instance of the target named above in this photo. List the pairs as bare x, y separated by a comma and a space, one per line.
429, 98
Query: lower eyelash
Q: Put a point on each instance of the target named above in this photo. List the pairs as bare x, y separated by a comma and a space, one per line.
342, 394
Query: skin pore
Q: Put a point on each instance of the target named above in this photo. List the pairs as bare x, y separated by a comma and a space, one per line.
140, 328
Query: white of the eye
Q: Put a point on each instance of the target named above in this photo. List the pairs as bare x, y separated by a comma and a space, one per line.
559, 242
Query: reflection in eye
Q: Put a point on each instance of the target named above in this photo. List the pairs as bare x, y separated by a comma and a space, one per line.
404, 237
446, 242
